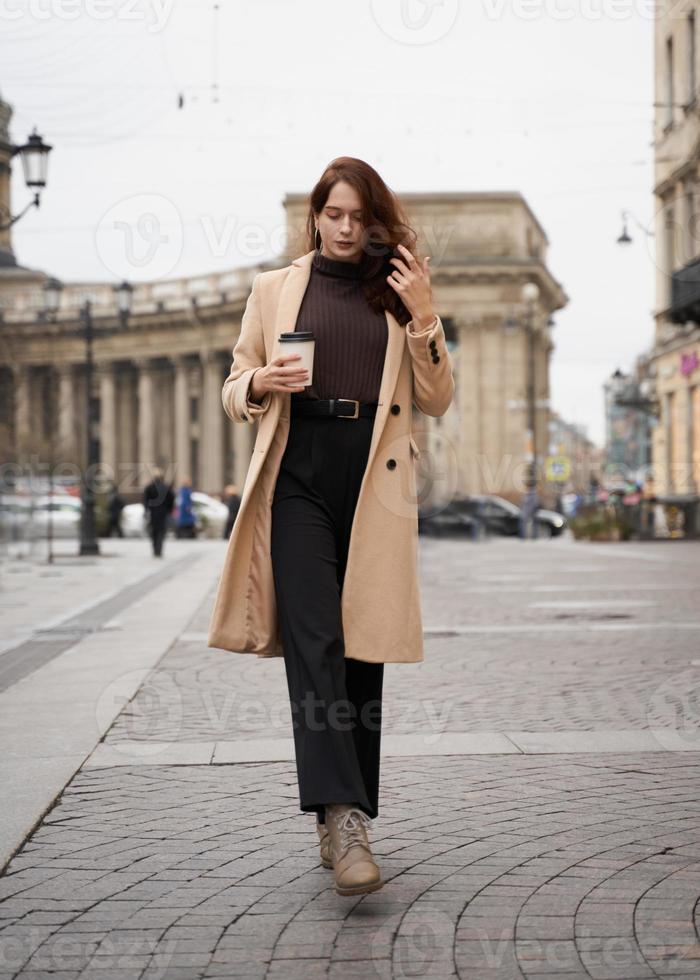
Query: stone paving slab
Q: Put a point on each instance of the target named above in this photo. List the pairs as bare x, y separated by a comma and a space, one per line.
573, 677
36, 596
52, 718
500, 866
148, 752
575, 853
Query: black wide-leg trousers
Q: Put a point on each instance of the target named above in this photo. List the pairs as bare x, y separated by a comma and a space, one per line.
336, 702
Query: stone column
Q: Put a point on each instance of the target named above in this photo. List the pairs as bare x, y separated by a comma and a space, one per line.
22, 408
108, 420
212, 424
67, 434
182, 460
146, 421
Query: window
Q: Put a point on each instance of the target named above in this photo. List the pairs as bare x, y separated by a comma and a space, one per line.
691, 56
669, 245
448, 325
194, 459
690, 245
669, 81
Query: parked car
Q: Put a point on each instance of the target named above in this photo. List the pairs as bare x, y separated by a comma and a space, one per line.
210, 514
448, 522
210, 517
27, 517
501, 516
132, 521
15, 516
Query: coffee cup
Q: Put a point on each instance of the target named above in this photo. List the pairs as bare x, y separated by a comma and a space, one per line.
299, 342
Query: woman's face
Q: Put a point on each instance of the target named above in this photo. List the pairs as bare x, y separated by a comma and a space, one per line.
340, 224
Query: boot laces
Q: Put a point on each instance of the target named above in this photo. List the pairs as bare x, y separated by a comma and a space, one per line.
352, 828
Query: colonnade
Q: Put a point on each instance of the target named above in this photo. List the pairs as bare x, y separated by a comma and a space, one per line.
146, 411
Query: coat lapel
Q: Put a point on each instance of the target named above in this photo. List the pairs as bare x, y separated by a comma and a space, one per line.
289, 304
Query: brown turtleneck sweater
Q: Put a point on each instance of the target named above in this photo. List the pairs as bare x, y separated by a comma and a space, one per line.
350, 337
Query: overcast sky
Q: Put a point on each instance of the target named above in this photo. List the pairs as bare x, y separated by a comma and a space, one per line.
552, 99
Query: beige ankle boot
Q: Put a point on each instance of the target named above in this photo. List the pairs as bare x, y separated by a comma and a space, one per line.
354, 868
325, 840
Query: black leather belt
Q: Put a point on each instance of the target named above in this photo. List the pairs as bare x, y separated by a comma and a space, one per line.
343, 408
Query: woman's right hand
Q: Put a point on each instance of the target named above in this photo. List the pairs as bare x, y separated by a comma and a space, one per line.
275, 376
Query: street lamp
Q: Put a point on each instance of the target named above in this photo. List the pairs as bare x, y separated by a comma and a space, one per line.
35, 160
124, 292
52, 293
52, 296
627, 392
625, 238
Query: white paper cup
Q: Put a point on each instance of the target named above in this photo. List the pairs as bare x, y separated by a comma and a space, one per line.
299, 342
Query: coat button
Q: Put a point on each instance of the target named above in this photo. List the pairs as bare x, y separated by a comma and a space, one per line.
395, 409
391, 464
436, 358
433, 344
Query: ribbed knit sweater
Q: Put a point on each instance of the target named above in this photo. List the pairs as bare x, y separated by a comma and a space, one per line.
350, 337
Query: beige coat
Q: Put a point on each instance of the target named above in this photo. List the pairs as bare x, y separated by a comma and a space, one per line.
380, 602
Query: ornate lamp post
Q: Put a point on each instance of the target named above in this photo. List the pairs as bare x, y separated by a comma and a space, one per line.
52, 295
35, 160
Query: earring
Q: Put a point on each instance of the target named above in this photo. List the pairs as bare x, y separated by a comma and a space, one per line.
318, 243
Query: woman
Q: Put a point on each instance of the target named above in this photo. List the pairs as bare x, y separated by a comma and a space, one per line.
321, 566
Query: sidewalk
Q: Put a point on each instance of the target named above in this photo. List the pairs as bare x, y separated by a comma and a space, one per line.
539, 813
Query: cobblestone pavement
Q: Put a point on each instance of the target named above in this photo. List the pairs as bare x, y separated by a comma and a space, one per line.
572, 865
609, 646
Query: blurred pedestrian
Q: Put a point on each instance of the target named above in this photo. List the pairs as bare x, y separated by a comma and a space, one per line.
185, 520
233, 502
158, 502
528, 509
115, 506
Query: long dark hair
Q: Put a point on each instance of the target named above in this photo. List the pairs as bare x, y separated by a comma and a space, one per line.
385, 225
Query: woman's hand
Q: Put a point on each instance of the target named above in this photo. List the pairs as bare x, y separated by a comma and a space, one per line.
411, 281
276, 377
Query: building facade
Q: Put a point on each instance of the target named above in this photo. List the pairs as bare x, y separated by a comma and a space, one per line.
675, 357
575, 463
484, 247
155, 397
630, 420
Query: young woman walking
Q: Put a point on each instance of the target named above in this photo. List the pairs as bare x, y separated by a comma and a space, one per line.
321, 566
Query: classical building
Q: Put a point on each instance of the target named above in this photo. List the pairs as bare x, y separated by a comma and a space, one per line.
156, 392
484, 247
675, 357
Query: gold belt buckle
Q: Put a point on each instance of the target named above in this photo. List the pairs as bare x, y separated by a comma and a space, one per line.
357, 408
